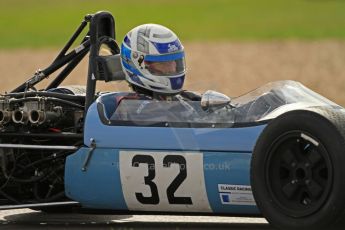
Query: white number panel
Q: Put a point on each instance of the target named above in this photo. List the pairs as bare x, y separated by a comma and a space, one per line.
163, 181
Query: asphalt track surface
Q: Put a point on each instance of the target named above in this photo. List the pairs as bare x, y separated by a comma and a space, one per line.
28, 219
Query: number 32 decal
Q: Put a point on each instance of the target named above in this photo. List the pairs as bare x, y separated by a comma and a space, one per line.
167, 161
163, 181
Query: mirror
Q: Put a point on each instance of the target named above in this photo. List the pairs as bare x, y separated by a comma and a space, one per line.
213, 100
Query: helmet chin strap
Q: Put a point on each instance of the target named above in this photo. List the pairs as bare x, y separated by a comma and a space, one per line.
162, 97
141, 90
152, 94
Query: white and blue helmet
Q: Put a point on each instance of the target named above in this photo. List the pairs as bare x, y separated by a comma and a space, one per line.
153, 58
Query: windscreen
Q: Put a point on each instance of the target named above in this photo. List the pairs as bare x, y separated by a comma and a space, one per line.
251, 107
262, 102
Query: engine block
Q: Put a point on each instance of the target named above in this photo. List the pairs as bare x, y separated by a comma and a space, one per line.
31, 124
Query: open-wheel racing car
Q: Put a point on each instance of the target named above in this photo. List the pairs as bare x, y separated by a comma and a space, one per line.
277, 151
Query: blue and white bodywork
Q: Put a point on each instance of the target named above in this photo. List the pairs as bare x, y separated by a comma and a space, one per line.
174, 156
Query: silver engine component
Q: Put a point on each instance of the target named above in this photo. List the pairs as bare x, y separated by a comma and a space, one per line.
5, 116
37, 133
20, 116
5, 112
38, 117
35, 111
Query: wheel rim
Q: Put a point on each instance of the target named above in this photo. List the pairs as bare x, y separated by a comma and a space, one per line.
299, 174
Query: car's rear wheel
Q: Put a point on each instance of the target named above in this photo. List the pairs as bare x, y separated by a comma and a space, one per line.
298, 169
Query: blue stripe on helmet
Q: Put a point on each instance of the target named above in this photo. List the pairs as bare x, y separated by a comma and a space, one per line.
127, 41
177, 82
125, 52
131, 68
135, 78
167, 57
169, 47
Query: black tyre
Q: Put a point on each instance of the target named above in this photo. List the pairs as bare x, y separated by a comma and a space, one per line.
298, 169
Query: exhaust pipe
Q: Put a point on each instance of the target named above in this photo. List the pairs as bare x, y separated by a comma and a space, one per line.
19, 117
5, 116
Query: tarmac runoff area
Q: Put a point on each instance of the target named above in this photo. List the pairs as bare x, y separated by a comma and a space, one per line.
29, 219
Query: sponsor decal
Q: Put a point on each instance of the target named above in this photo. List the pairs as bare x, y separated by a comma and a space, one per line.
140, 60
225, 197
236, 194
169, 47
172, 48
79, 48
135, 55
93, 77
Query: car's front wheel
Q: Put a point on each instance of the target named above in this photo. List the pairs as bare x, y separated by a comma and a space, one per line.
298, 169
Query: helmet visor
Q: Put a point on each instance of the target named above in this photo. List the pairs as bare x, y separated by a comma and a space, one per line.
166, 68
165, 65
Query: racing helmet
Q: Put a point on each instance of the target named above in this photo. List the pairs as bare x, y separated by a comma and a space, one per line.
153, 58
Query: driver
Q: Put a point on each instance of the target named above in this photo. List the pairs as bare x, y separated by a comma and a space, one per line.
153, 60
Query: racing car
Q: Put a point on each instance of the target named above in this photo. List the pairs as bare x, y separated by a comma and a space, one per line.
277, 151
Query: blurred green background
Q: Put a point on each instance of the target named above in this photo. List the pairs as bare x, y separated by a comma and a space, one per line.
42, 23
